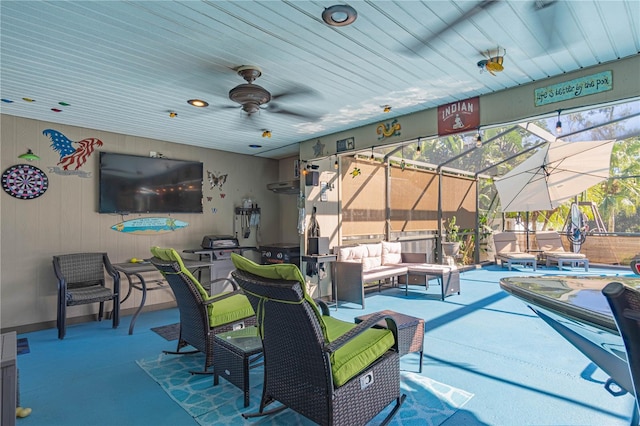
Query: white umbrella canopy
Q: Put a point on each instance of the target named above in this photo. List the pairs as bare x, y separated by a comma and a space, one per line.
555, 173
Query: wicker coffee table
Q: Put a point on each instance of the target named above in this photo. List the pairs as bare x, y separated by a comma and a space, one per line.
410, 332
232, 356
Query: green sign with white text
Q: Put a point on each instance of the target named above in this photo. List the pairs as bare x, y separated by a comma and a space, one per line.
576, 88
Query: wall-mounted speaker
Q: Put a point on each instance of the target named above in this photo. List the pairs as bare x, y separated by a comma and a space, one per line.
312, 178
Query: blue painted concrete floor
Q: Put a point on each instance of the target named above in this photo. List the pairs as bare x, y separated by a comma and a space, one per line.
483, 341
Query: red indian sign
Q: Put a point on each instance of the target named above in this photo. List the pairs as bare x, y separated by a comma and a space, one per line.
460, 116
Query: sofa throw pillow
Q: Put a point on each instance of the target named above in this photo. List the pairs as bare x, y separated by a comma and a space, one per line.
391, 253
373, 256
351, 254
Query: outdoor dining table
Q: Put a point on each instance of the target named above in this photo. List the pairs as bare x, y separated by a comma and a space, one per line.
575, 307
136, 270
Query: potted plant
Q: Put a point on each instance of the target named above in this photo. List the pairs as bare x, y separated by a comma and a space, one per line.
451, 246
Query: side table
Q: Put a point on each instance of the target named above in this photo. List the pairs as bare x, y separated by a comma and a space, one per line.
232, 352
410, 332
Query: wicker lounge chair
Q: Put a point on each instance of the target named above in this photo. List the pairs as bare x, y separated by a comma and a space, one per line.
309, 358
550, 243
81, 281
508, 250
625, 306
201, 315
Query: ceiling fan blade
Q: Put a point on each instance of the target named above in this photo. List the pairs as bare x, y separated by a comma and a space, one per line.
421, 43
274, 108
294, 91
549, 18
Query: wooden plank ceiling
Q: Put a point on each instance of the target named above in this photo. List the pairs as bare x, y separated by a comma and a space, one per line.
122, 66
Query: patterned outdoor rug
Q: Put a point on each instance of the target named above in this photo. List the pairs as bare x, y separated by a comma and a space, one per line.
169, 332
428, 402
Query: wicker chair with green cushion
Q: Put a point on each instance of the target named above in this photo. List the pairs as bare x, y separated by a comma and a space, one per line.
81, 280
332, 372
201, 315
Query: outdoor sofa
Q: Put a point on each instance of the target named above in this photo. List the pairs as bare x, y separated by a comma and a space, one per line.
358, 266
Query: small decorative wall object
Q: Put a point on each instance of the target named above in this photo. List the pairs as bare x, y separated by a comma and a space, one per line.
355, 172
70, 156
216, 180
149, 226
347, 144
209, 199
24, 181
29, 156
318, 149
387, 130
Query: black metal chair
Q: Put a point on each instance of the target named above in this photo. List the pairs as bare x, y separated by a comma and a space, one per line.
625, 305
81, 280
300, 360
201, 315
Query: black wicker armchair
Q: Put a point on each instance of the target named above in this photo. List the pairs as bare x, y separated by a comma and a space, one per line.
330, 371
81, 281
625, 305
201, 315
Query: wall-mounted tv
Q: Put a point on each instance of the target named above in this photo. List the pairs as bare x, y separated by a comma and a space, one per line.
136, 184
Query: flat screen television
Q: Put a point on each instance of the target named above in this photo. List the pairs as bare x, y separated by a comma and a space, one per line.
136, 184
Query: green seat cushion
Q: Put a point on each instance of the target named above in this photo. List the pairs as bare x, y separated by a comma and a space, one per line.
357, 354
229, 310
354, 356
225, 311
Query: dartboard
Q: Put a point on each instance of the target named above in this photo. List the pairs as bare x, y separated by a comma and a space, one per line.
24, 181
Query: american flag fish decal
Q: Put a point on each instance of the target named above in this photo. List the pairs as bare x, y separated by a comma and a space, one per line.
70, 156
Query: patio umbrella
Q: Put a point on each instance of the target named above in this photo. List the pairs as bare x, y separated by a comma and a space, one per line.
555, 173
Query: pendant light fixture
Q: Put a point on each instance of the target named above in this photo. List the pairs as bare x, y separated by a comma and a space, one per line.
478, 139
559, 124
335, 164
418, 149
372, 157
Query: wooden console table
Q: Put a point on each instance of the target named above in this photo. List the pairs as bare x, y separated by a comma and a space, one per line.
9, 383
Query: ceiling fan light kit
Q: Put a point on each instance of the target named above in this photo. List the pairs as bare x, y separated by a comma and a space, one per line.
249, 95
339, 15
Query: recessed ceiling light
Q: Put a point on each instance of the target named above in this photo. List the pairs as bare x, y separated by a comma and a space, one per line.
339, 15
198, 103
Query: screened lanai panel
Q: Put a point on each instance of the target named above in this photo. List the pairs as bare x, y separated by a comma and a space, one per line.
459, 200
363, 197
414, 200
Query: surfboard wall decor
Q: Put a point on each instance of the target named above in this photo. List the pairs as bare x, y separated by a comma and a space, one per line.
149, 226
